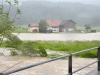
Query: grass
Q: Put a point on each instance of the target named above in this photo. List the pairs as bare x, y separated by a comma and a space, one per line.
21, 29
80, 27
73, 46
69, 46
97, 28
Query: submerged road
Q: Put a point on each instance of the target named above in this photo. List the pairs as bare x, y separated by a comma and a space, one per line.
59, 37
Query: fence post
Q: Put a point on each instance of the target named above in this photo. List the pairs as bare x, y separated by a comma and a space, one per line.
99, 59
70, 64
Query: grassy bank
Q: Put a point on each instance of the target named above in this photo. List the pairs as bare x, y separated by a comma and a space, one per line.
97, 28
68, 46
73, 46
21, 29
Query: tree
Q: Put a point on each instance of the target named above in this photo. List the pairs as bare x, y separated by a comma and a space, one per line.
7, 25
13, 42
87, 27
43, 26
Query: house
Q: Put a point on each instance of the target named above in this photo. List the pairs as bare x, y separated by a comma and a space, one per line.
67, 25
55, 26
61, 25
33, 27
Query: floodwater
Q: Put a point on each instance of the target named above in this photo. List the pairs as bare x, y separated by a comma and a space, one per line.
59, 37
58, 67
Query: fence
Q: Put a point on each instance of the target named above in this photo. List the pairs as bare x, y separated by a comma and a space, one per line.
69, 63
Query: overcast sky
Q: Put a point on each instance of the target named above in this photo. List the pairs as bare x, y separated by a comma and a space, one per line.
80, 1
95, 2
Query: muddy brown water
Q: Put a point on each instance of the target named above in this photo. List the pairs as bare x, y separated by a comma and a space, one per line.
59, 37
58, 67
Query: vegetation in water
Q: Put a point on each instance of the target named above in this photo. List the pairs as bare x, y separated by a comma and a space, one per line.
34, 48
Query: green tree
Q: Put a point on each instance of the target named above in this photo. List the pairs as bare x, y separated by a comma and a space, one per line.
43, 26
13, 42
31, 48
7, 25
87, 27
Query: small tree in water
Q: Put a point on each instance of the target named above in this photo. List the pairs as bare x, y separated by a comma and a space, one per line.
87, 27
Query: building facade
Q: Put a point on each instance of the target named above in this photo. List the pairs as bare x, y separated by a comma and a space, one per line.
33, 27
55, 26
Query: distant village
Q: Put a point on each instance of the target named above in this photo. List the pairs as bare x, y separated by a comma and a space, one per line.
55, 26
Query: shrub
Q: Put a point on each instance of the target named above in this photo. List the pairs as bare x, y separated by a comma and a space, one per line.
30, 48
42, 51
13, 52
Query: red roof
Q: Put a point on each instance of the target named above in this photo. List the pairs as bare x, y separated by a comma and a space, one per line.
54, 22
34, 25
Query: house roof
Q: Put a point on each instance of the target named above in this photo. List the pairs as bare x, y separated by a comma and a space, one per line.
34, 25
54, 22
65, 21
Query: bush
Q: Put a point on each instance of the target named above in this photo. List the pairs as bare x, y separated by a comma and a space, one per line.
42, 51
13, 52
27, 48
30, 48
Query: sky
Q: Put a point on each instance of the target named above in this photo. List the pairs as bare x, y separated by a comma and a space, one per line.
95, 2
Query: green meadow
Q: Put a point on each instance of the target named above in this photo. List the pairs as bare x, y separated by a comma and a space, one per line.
97, 28
67, 47
21, 29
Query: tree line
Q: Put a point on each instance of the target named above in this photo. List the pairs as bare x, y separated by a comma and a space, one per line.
34, 11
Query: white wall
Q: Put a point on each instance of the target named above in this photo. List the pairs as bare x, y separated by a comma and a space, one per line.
54, 29
30, 29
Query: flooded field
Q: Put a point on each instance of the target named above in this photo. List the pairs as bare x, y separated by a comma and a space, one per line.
59, 37
58, 67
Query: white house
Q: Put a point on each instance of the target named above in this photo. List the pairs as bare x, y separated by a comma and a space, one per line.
34, 27
53, 25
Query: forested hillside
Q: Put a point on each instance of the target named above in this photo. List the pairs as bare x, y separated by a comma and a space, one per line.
34, 11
